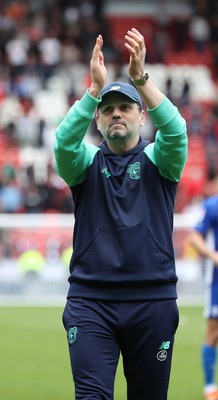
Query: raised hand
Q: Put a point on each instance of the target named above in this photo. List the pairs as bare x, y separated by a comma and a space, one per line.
136, 47
97, 68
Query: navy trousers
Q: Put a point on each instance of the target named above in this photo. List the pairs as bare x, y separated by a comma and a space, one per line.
99, 331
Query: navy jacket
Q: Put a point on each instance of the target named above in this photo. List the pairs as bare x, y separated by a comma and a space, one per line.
122, 244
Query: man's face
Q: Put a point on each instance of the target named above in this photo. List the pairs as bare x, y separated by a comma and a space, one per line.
119, 118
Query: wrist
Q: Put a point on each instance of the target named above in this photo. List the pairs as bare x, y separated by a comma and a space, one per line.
142, 80
94, 91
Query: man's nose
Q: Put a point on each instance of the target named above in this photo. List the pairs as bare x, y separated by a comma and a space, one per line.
116, 113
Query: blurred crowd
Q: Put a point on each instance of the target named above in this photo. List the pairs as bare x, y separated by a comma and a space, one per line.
47, 44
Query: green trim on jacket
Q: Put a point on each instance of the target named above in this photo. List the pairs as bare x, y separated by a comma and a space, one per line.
169, 151
73, 155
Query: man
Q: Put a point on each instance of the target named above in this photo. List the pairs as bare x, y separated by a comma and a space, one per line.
198, 238
122, 296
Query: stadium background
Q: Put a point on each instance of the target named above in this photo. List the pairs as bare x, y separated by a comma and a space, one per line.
45, 48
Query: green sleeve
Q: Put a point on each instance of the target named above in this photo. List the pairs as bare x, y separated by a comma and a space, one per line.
170, 149
73, 156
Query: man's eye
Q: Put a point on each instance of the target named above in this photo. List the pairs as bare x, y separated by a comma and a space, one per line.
126, 107
107, 110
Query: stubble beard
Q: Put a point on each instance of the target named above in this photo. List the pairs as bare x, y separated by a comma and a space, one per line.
118, 135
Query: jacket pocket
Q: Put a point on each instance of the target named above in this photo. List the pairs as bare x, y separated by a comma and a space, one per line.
124, 254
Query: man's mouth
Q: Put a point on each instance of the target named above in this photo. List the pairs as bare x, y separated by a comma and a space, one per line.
115, 123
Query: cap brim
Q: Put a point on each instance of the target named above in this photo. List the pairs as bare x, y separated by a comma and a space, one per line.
119, 92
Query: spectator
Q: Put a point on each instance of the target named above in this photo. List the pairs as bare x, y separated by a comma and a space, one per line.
11, 194
50, 48
199, 31
17, 53
27, 124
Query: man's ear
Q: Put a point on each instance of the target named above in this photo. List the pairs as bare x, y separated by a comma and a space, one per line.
97, 119
142, 118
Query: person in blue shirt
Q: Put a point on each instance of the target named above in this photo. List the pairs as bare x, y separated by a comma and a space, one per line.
123, 286
198, 238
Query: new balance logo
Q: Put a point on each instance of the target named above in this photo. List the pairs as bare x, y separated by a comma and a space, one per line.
165, 345
106, 172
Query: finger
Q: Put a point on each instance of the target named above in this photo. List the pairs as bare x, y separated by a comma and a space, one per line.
99, 41
135, 38
101, 58
130, 49
132, 45
137, 32
98, 46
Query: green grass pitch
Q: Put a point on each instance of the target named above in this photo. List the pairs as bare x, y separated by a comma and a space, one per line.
34, 362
